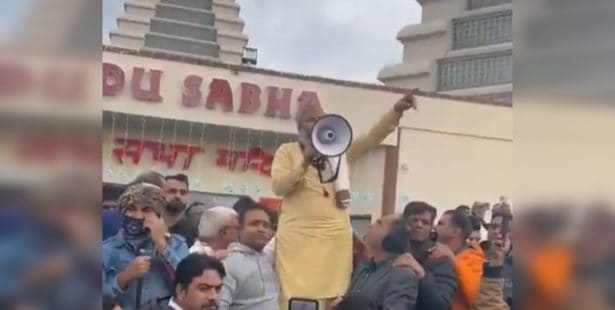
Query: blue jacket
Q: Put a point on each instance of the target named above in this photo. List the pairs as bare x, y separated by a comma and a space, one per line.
111, 223
157, 283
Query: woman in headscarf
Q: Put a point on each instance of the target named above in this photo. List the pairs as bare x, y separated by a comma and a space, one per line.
313, 256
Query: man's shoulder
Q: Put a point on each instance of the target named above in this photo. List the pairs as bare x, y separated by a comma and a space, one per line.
440, 264
235, 259
177, 239
287, 147
112, 242
402, 274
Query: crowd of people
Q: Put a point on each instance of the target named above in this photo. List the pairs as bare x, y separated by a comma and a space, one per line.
413, 260
161, 253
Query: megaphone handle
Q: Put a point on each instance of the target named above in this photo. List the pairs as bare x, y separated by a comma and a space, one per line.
319, 162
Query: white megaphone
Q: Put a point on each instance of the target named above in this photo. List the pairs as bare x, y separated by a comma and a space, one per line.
331, 136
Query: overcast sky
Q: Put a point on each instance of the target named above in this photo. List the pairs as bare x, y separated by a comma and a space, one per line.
347, 39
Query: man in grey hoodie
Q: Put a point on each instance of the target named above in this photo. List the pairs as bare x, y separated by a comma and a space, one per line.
250, 282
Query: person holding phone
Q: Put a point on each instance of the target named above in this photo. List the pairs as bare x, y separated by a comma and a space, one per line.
493, 293
499, 229
140, 260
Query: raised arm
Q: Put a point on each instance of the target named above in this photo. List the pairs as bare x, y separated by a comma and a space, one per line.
387, 124
285, 174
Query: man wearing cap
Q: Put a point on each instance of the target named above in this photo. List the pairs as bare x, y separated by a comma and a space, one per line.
313, 255
139, 261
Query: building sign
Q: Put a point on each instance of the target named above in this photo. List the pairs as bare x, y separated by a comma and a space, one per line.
254, 158
181, 155
161, 152
215, 94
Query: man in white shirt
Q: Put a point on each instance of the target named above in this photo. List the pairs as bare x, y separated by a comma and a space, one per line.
218, 228
198, 281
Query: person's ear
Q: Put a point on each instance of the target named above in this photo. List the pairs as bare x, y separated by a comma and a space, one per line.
180, 291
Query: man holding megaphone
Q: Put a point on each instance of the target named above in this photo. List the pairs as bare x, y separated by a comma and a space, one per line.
313, 256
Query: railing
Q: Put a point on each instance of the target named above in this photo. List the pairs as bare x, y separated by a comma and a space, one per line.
475, 71
481, 30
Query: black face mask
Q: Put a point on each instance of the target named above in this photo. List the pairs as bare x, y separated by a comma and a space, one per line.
132, 226
175, 206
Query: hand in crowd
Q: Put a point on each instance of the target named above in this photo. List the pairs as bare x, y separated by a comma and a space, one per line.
158, 231
342, 198
408, 261
497, 252
405, 103
137, 268
441, 250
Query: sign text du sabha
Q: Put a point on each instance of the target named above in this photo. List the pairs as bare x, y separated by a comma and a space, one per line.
218, 94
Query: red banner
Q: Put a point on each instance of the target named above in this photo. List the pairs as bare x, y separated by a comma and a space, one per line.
161, 152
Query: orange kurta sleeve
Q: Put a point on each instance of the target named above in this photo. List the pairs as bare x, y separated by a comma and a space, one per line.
468, 266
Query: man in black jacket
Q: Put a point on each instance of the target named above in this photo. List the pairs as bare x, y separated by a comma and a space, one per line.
437, 282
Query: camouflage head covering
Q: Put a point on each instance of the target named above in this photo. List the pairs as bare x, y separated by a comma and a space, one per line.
142, 194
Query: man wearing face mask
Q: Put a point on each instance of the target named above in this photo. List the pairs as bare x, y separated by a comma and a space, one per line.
314, 220
139, 261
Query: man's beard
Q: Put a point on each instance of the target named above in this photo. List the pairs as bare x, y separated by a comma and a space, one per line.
175, 206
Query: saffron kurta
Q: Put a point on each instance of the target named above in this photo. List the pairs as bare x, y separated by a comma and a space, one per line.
314, 240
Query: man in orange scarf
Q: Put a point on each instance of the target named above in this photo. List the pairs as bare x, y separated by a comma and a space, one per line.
453, 230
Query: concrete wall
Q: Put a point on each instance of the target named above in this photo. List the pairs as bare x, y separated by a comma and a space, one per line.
453, 153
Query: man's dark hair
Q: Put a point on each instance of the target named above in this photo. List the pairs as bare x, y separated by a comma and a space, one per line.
476, 223
462, 221
463, 208
151, 177
242, 203
187, 227
396, 241
178, 177
419, 207
193, 266
248, 206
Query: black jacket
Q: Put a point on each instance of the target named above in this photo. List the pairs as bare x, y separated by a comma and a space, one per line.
437, 288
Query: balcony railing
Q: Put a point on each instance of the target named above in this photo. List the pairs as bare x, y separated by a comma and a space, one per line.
475, 71
481, 30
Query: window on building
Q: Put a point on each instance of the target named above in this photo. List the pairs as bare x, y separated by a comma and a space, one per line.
475, 71
360, 224
477, 4
481, 30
